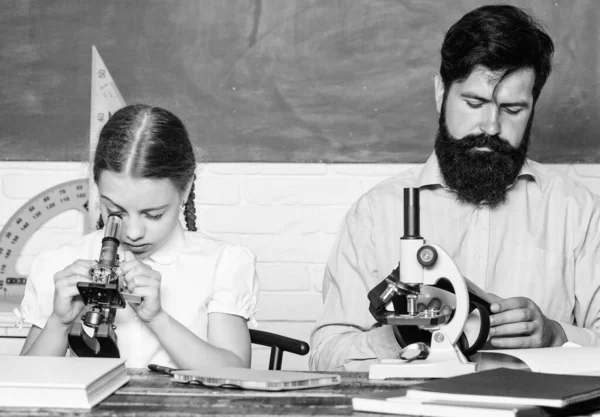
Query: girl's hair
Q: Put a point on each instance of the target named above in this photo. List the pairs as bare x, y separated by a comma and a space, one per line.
148, 142
500, 38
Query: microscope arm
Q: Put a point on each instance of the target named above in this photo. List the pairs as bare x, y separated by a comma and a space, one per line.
444, 267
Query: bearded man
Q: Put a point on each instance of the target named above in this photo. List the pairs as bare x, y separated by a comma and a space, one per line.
528, 236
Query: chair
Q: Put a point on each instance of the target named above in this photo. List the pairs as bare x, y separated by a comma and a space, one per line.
278, 344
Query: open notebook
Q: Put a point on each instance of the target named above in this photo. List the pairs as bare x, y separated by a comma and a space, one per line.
568, 359
58, 382
255, 379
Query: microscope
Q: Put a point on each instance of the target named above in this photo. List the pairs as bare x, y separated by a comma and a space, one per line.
103, 296
425, 273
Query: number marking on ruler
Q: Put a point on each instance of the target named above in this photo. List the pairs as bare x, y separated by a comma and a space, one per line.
71, 195
81, 194
106, 100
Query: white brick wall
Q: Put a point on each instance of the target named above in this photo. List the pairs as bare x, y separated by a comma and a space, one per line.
288, 214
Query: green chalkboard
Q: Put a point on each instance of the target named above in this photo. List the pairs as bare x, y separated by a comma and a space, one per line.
274, 80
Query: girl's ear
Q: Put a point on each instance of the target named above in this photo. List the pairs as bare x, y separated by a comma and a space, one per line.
188, 189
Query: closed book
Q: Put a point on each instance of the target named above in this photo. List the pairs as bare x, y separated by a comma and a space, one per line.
58, 382
255, 379
511, 386
398, 403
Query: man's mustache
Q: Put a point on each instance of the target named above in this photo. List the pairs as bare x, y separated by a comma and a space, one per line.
482, 140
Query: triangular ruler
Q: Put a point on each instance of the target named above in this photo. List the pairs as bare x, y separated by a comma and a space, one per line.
106, 100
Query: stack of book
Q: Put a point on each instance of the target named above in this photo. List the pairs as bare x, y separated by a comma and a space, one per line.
499, 392
562, 381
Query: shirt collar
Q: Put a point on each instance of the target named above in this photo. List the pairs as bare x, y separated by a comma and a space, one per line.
431, 174
171, 249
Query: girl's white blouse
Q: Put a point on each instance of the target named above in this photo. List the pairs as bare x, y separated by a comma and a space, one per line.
200, 275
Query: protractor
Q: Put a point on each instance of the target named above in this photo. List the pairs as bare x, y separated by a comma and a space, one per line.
70, 195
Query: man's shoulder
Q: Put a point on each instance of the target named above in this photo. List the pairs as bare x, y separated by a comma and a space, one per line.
555, 180
393, 186
388, 193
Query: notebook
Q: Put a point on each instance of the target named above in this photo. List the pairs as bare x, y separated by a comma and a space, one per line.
395, 402
511, 386
568, 359
253, 379
58, 382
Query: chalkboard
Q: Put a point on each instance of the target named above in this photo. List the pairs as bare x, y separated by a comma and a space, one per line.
274, 80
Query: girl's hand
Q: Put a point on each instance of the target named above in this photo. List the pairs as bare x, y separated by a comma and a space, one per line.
144, 281
67, 300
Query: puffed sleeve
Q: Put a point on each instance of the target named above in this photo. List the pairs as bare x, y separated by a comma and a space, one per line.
38, 299
236, 284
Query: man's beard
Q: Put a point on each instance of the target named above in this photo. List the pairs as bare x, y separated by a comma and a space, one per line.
479, 177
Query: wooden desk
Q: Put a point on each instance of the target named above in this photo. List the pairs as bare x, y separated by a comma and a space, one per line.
152, 394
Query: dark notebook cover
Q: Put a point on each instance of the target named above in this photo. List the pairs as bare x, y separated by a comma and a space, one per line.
395, 402
512, 386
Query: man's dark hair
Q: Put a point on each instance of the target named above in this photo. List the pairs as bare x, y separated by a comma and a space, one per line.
500, 38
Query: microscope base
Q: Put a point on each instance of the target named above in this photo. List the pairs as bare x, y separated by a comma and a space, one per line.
428, 368
444, 360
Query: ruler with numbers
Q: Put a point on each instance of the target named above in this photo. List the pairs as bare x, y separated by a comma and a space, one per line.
81, 194
106, 99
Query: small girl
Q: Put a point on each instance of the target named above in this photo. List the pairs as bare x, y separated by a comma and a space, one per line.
197, 293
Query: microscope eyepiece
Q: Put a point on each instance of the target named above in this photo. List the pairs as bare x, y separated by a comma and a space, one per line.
411, 214
110, 242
